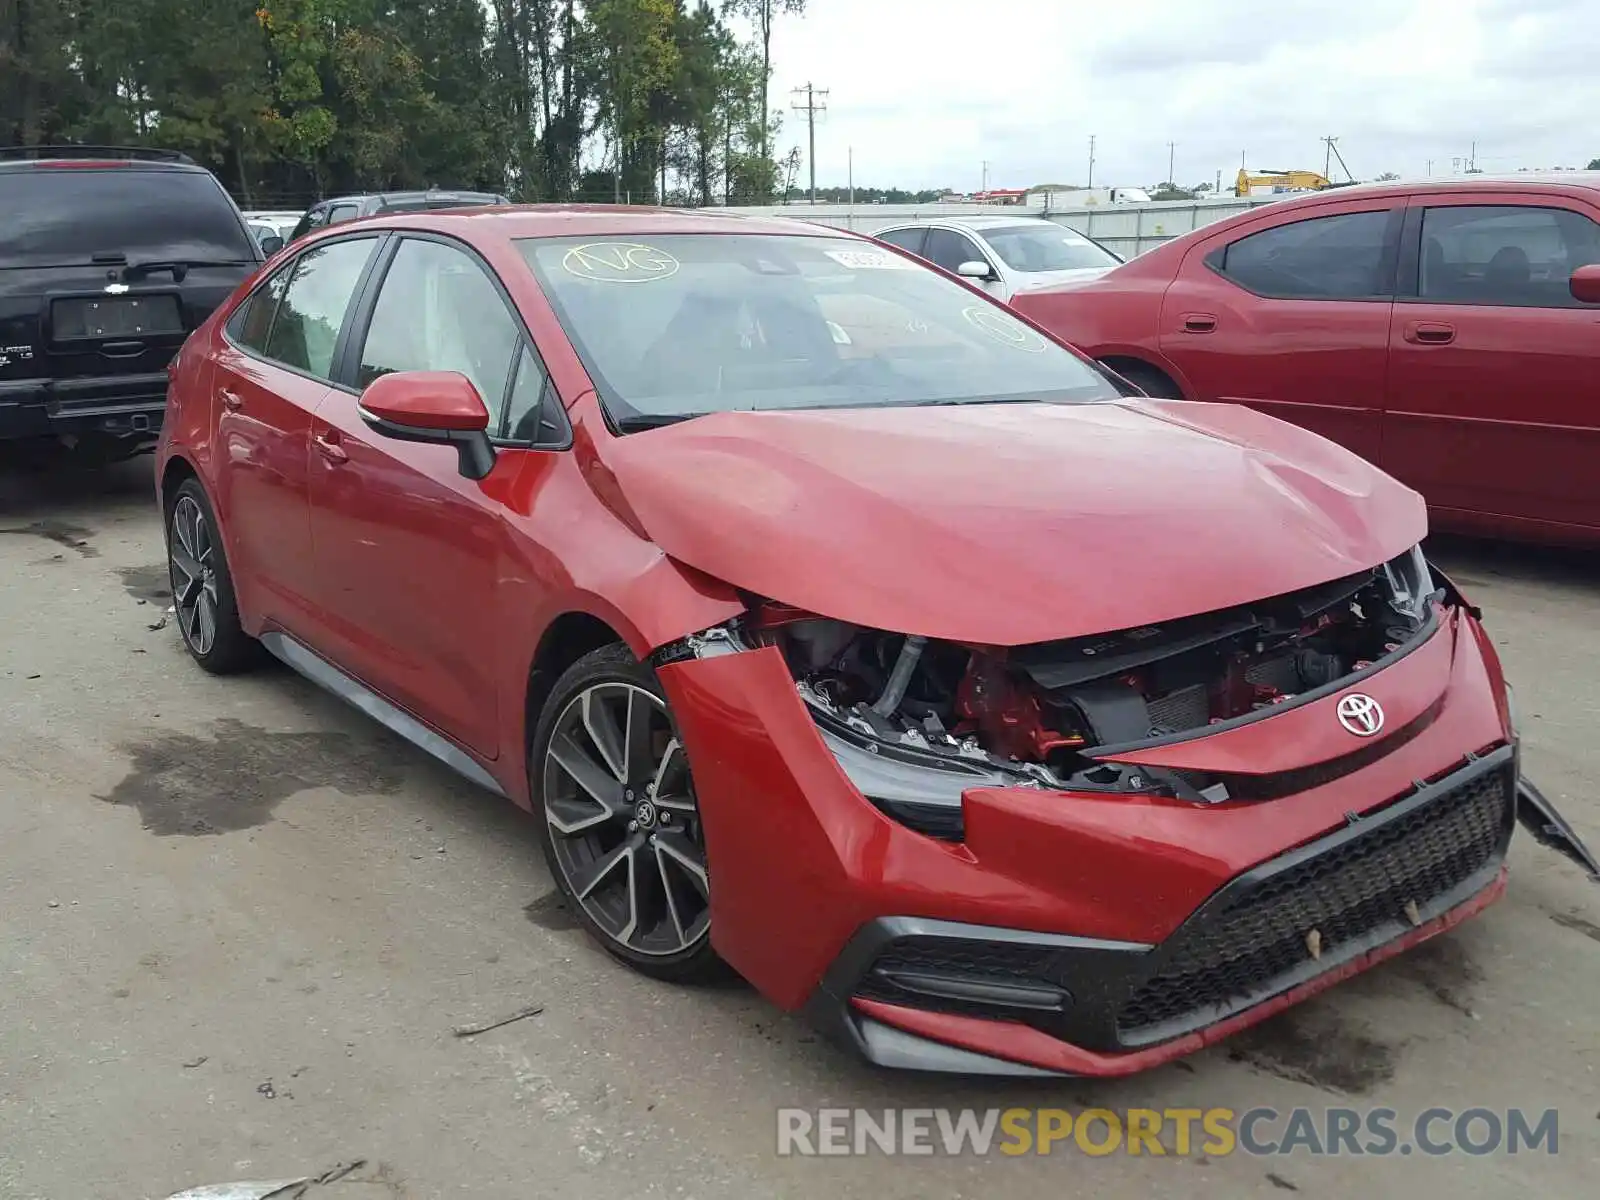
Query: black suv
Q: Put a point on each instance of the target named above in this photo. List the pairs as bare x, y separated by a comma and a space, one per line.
109, 257
348, 208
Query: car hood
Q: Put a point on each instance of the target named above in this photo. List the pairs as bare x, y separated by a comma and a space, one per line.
1015, 523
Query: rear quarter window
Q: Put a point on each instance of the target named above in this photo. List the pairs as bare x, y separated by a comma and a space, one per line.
65, 216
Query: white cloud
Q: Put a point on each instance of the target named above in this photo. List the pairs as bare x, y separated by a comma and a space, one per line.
926, 90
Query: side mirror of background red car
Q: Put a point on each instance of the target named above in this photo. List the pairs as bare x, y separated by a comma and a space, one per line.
439, 407
1585, 284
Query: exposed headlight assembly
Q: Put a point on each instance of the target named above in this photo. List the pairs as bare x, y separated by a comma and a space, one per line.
1410, 583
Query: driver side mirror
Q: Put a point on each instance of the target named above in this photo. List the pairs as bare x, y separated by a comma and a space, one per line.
975, 270
1585, 284
438, 407
271, 244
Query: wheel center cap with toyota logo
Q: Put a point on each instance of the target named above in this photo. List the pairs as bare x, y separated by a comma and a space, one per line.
1360, 714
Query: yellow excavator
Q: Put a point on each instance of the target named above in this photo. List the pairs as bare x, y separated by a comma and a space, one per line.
1246, 183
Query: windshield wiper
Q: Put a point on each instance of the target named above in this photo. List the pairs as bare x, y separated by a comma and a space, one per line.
977, 400
636, 422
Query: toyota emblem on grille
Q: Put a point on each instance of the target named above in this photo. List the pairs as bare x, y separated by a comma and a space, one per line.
1360, 714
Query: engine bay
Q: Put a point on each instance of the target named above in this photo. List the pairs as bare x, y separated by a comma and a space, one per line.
1045, 713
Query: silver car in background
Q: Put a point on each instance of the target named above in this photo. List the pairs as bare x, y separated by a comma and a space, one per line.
1004, 255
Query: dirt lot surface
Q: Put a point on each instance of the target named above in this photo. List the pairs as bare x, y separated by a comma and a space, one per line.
238, 923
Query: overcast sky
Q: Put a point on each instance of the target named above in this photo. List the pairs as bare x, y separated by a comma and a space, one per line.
926, 90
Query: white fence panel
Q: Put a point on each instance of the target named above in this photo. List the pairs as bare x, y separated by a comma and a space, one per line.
1127, 229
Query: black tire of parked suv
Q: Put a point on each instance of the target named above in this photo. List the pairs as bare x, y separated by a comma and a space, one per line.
636, 815
229, 649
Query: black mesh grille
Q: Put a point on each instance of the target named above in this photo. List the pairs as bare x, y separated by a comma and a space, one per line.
952, 956
1239, 949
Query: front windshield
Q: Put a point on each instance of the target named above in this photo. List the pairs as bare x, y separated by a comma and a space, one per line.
681, 325
1046, 246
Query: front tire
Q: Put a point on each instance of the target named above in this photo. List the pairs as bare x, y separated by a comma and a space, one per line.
618, 819
202, 587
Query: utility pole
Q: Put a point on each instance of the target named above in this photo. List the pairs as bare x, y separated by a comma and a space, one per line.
1332, 156
850, 218
983, 180
1472, 163
1430, 168
816, 100
1172, 151
1091, 161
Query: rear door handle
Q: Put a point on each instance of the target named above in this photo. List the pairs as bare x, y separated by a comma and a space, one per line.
1199, 322
231, 401
1430, 333
328, 446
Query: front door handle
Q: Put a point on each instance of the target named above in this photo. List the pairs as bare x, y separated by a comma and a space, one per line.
328, 446
231, 401
1199, 322
1430, 333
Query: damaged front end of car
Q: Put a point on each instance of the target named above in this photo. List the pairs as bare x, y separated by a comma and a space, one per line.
916, 722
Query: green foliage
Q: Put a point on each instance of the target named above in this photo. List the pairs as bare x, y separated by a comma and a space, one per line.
1594, 165
289, 100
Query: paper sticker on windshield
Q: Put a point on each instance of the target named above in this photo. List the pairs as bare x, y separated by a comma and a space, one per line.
868, 260
619, 262
1005, 330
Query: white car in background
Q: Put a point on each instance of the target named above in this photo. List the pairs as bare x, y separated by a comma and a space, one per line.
274, 224
1005, 255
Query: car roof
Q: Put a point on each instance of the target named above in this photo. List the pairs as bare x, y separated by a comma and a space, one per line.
92, 165
1512, 180
413, 194
516, 221
977, 224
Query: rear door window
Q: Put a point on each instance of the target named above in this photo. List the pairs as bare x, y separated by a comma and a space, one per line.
1342, 257
305, 328
251, 324
66, 216
1504, 255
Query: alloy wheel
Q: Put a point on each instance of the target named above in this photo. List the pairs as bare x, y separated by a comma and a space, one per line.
623, 820
191, 557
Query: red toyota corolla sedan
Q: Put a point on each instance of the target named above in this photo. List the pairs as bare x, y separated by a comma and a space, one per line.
841, 628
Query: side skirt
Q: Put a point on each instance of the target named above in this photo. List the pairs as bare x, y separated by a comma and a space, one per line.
330, 678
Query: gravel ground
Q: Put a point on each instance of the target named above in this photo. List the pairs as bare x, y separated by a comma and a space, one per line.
238, 923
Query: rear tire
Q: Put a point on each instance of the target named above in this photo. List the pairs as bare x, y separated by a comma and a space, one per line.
618, 819
1152, 381
202, 586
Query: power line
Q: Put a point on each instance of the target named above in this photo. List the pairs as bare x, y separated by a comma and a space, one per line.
816, 100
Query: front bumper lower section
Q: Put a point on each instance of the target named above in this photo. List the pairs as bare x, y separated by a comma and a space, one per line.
1282, 930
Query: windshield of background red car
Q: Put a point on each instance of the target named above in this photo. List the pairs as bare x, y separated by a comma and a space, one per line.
690, 324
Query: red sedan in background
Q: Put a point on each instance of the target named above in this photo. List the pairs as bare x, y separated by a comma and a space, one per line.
1448, 331
840, 628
